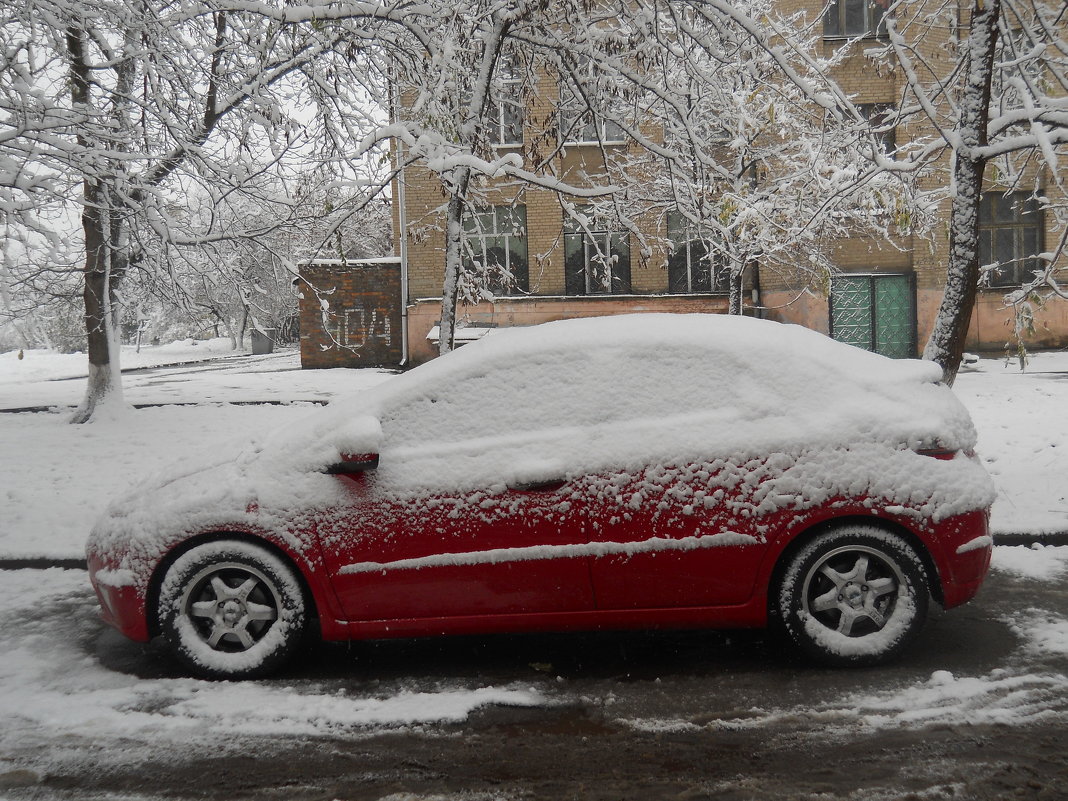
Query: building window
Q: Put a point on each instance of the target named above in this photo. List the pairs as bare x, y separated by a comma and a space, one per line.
691, 268
1010, 235
578, 127
855, 18
505, 113
879, 117
579, 124
496, 248
597, 260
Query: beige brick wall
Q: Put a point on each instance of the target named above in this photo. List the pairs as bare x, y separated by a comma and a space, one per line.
787, 295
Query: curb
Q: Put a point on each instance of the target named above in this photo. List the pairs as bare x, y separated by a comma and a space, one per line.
292, 402
1044, 538
43, 563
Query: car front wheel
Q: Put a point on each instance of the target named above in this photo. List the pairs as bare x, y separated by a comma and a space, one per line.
855, 595
231, 610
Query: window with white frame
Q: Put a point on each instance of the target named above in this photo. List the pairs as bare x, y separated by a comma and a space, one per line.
584, 127
505, 111
1010, 235
496, 248
596, 258
691, 265
581, 124
845, 18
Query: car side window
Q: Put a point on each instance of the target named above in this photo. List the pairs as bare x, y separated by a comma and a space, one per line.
557, 390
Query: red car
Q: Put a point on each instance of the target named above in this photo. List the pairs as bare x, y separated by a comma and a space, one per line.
638, 471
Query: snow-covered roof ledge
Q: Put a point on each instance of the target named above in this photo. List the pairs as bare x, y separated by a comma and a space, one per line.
470, 333
350, 262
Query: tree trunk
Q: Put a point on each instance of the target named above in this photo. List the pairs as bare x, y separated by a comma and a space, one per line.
735, 291
99, 295
460, 178
102, 235
454, 262
946, 344
240, 337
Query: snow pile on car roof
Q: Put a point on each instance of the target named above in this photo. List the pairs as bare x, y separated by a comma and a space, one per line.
589, 395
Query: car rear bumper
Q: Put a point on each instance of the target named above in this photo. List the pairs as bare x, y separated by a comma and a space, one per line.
965, 558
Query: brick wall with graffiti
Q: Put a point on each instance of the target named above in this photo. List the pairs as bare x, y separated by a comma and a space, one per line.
350, 313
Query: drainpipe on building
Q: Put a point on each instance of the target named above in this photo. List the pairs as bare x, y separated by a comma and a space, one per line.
757, 306
402, 224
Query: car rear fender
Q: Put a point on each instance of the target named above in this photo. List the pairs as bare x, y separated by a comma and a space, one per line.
791, 541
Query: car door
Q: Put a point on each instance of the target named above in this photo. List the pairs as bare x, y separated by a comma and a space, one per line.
669, 532
668, 540
467, 514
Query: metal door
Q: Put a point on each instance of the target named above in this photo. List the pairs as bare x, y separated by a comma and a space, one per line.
875, 312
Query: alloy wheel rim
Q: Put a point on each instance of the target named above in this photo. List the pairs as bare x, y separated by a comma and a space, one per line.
853, 590
231, 606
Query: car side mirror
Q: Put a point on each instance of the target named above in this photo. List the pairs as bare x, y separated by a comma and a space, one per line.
353, 463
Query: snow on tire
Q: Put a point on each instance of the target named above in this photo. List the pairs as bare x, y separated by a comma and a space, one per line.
231, 610
855, 595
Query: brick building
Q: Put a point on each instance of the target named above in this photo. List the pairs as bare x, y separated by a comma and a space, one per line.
884, 298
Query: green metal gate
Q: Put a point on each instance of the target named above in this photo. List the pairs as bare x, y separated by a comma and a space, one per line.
875, 312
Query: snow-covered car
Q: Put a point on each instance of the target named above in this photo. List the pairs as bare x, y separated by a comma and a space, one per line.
635, 471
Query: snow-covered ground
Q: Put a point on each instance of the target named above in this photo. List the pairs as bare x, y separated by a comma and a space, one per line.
1023, 438
53, 685
187, 372
56, 478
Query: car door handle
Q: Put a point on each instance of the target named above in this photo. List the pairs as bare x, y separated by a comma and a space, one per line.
549, 485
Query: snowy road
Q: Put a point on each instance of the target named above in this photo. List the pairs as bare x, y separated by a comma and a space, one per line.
979, 709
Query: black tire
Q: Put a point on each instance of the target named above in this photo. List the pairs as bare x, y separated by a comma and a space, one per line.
855, 595
231, 610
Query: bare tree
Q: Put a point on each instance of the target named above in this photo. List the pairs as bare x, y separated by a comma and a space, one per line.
1019, 47
111, 106
733, 152
951, 54
455, 91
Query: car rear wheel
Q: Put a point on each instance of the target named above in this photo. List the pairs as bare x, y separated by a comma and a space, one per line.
855, 595
231, 610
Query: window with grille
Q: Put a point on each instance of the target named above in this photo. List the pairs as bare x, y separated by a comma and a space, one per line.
496, 248
691, 265
1010, 236
845, 18
596, 259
